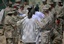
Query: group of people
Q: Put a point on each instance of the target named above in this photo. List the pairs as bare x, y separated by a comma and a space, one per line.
30, 25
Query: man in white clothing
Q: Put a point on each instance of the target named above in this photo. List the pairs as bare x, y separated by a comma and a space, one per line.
30, 29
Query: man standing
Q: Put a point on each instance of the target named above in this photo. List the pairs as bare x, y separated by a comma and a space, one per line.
8, 8
44, 2
17, 3
45, 33
30, 33
58, 9
16, 30
8, 28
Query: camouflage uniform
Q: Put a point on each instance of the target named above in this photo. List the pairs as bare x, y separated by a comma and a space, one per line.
8, 27
57, 32
58, 10
46, 30
57, 38
16, 30
7, 9
58, 29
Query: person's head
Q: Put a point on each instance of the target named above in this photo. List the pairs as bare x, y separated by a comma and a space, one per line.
25, 3
60, 4
15, 7
50, 8
15, 13
22, 7
37, 8
10, 13
52, 4
32, 6
44, 2
45, 9
29, 9
9, 5
18, 1
10, 2
30, 13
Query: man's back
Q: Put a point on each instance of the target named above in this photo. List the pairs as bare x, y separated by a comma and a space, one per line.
30, 30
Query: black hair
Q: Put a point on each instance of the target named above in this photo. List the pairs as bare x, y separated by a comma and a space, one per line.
30, 13
37, 8
29, 9
9, 14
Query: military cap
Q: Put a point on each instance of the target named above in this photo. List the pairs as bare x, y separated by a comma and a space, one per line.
10, 12
46, 7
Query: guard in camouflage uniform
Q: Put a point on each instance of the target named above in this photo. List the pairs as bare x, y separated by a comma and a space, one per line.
16, 30
58, 37
46, 30
8, 8
9, 27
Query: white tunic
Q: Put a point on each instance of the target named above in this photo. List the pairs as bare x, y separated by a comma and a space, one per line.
39, 14
30, 30
36, 17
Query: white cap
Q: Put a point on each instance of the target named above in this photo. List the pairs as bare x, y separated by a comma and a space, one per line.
17, 0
